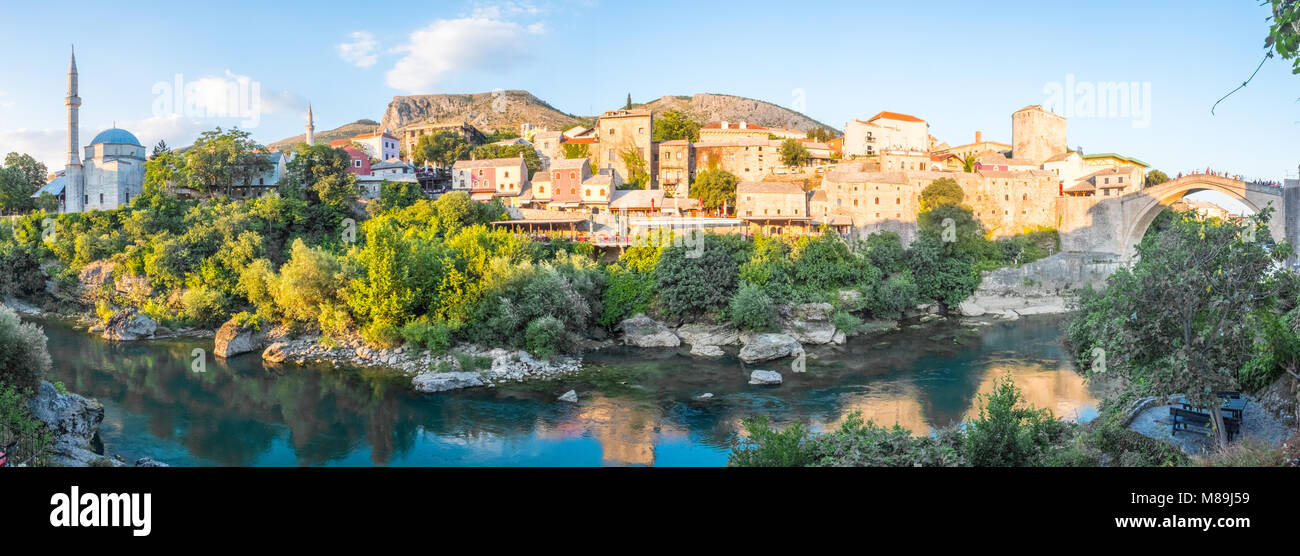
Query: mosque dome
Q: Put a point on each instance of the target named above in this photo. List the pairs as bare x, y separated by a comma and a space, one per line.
115, 136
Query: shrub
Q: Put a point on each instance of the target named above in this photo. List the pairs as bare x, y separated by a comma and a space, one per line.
434, 336
628, 292
752, 309
17, 425
382, 335
24, 359
764, 447
334, 321
694, 282
891, 298
845, 322
543, 335
1006, 433
203, 306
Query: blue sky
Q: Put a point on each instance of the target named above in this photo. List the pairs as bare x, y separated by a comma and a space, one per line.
962, 66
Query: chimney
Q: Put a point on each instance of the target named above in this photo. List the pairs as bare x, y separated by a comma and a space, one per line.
979, 137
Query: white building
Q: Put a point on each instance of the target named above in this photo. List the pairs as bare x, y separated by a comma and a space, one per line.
113, 169
379, 144
886, 132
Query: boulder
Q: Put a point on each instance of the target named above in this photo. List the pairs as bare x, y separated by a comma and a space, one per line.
430, 382
706, 350
811, 331
808, 312
766, 347
133, 284
875, 327
697, 334
129, 325
74, 421
850, 298
703, 397
233, 339
276, 353
643, 331
570, 396
149, 462
969, 308
839, 338
96, 275
764, 377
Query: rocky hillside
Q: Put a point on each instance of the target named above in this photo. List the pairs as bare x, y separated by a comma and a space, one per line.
504, 110
706, 108
324, 137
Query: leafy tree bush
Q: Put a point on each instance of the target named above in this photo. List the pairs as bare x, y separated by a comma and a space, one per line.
715, 187
1008, 434
204, 306
846, 322
17, 425
885, 251
892, 297
24, 359
692, 282
752, 309
434, 336
543, 335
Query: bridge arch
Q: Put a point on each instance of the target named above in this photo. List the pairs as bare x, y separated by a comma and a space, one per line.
1142, 207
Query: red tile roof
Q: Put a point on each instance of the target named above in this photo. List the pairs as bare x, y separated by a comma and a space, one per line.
375, 134
895, 116
734, 125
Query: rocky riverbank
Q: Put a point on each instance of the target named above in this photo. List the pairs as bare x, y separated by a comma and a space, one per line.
1046, 286
74, 421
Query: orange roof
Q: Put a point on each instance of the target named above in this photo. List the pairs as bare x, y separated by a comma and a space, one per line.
578, 140
895, 116
734, 125
375, 134
339, 142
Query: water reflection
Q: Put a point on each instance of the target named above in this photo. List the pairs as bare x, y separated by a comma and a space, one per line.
636, 406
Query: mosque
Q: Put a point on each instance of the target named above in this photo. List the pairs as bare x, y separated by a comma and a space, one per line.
113, 171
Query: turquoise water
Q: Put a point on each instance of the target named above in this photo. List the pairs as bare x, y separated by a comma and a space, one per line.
635, 406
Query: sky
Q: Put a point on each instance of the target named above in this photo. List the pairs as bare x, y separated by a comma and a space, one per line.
962, 66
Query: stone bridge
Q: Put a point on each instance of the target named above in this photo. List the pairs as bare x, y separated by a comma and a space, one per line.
1116, 224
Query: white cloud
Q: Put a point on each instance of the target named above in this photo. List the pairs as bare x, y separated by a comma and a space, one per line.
45, 145
362, 52
466, 44
50, 146
5, 103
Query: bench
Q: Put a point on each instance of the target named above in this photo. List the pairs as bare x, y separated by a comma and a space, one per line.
1183, 419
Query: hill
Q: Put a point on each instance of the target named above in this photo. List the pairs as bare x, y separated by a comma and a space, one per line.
707, 107
503, 110
324, 137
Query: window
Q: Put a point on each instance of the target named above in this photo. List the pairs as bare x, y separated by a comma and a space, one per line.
572, 175
101, 198
356, 163
640, 130
586, 192
507, 173
555, 176
602, 192
877, 200
611, 132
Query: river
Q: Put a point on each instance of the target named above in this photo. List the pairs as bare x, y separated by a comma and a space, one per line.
636, 405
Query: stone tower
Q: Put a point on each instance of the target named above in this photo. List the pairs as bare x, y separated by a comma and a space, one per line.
311, 129
74, 186
1037, 134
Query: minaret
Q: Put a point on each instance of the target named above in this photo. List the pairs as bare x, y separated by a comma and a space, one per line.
74, 186
311, 128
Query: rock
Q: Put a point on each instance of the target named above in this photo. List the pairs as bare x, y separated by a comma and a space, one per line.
570, 396
96, 275
705, 350
21, 306
703, 397
697, 334
851, 298
430, 382
807, 312
968, 308
811, 332
643, 331
276, 353
875, 327
839, 338
74, 420
134, 284
764, 377
129, 325
233, 339
766, 347
149, 462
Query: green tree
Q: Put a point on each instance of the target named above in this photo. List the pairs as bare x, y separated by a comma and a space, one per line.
638, 173
1155, 177
1183, 318
752, 309
968, 163
674, 126
694, 279
576, 150
820, 134
24, 359
715, 187
310, 165
396, 195
943, 191
793, 153
32, 173
1284, 32
628, 106
220, 160
443, 148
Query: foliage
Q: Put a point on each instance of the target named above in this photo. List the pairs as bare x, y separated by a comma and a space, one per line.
940, 276
891, 298
1284, 32
24, 359
396, 195
543, 335
692, 282
820, 134
941, 192
18, 425
1184, 318
1155, 177
638, 173
885, 251
20, 177
673, 125
219, 160
764, 447
715, 188
434, 336
576, 150
793, 153
1007, 433
443, 148
752, 309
